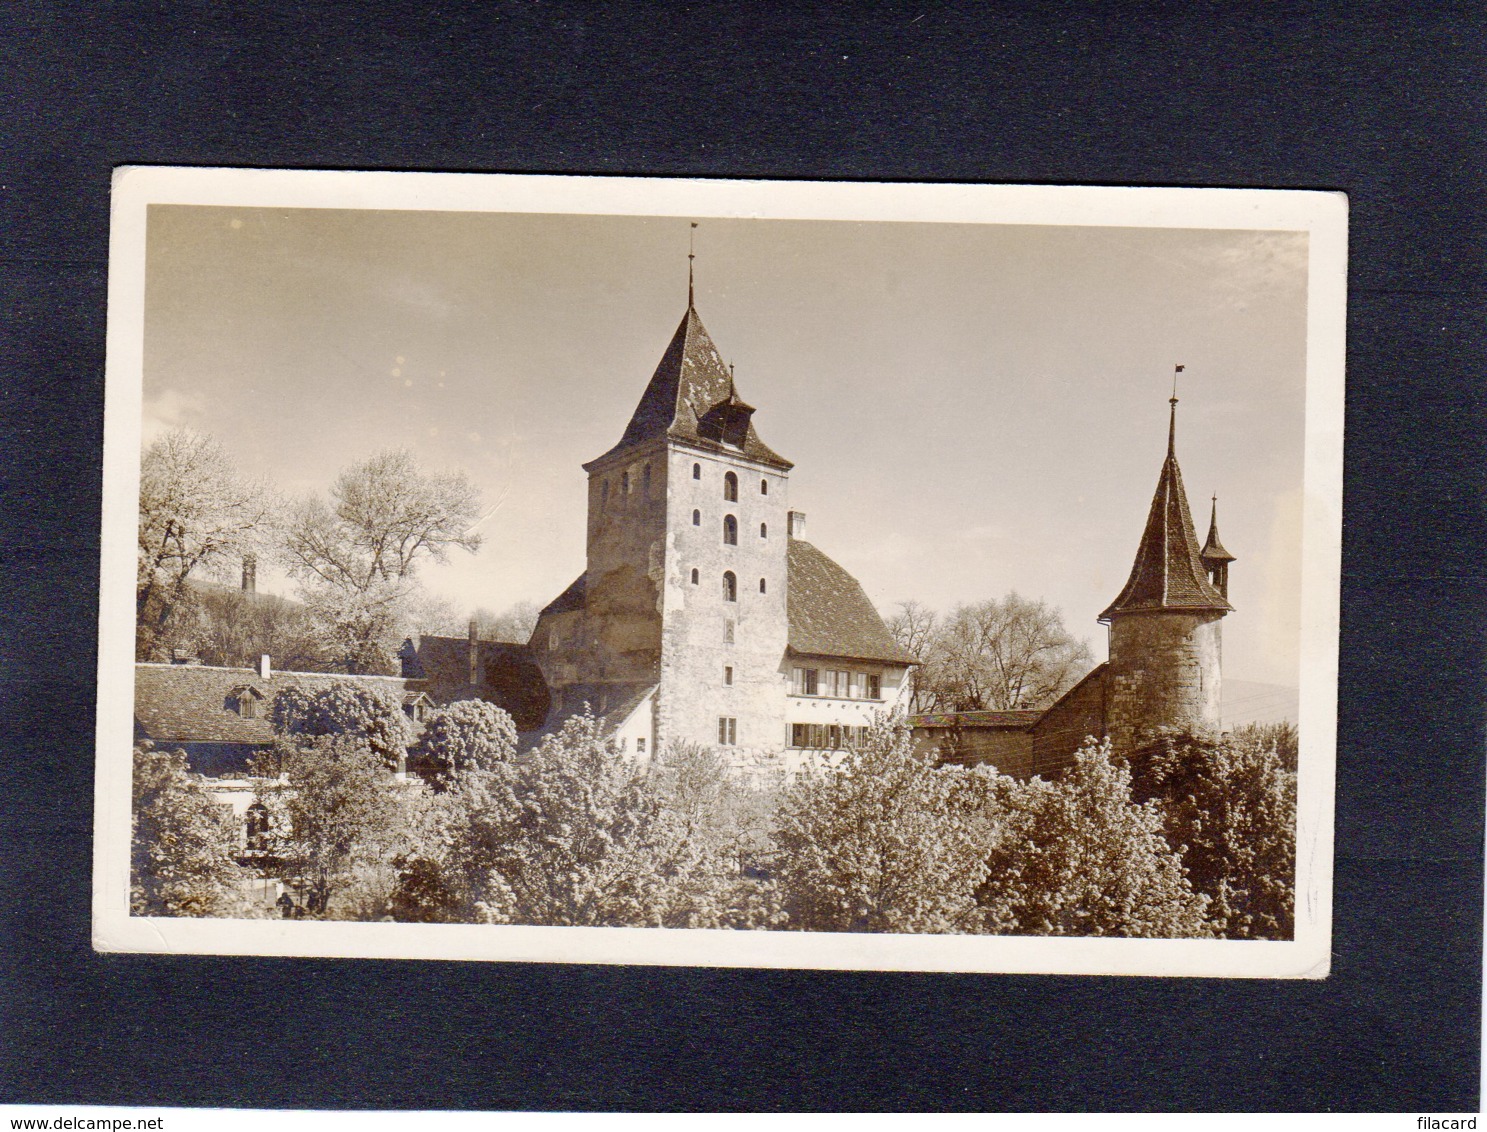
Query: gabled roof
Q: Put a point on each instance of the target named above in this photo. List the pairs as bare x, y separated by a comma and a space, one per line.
830, 615
610, 704
690, 396
1014, 720
1168, 573
1213, 550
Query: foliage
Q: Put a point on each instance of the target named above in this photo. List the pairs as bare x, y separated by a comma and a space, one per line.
341, 708
235, 628
338, 822
883, 841
356, 556
1078, 857
1229, 809
575, 834
990, 655
1283, 736
197, 515
513, 625
464, 735
183, 843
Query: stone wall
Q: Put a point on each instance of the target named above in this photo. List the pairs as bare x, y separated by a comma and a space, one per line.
1164, 672
1078, 715
704, 633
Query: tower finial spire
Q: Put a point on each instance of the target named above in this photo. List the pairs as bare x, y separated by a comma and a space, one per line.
691, 255
1172, 421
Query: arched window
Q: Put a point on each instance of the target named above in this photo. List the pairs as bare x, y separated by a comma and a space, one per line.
730, 488
696, 471
730, 586
694, 577
258, 823
645, 482
762, 588
763, 530
763, 487
696, 518
730, 530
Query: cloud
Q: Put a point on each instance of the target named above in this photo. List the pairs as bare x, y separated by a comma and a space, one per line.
170, 408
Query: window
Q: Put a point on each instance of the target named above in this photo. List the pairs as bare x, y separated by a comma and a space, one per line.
855, 688
730, 530
696, 518
645, 482
804, 681
257, 828
730, 488
694, 577
762, 586
604, 493
800, 735
727, 730
728, 675
625, 483
622, 742
730, 586
874, 686
247, 707
640, 746
696, 471
763, 530
763, 487
728, 633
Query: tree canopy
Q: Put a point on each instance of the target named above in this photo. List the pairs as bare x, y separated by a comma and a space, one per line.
990, 655
373, 715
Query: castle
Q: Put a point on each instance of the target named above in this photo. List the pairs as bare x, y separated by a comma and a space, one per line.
702, 616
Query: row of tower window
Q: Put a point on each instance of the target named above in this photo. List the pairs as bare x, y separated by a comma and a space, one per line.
730, 584
628, 484
730, 528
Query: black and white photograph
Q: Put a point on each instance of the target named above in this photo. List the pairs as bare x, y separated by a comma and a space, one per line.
903, 577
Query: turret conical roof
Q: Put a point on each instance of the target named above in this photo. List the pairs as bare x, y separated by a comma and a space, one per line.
1213, 549
1168, 573
691, 397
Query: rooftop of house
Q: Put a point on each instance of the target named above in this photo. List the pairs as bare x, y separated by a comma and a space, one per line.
691, 398
198, 703
1018, 720
830, 615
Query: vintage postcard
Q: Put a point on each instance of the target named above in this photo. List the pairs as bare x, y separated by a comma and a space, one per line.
477, 615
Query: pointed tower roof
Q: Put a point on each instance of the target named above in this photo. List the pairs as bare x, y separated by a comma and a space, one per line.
691, 398
1213, 550
1168, 573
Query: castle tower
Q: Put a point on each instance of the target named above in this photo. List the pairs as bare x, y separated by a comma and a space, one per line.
684, 595
1165, 646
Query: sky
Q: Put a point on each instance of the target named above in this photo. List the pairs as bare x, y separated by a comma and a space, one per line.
972, 409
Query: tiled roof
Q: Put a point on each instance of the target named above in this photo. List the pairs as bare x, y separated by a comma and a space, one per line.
830, 615
196, 703
570, 599
1168, 573
1213, 549
692, 385
611, 704
1019, 720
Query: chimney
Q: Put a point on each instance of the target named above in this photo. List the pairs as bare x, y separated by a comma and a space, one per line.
474, 653
265, 667
250, 573
796, 521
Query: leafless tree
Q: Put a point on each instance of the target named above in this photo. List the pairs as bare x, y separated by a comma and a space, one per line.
197, 516
356, 555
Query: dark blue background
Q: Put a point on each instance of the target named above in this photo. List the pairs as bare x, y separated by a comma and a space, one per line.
1378, 100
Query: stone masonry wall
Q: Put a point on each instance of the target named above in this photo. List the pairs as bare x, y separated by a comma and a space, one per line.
1165, 671
704, 634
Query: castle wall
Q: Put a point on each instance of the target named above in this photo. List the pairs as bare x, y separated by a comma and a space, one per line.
704, 634
1064, 727
1164, 672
